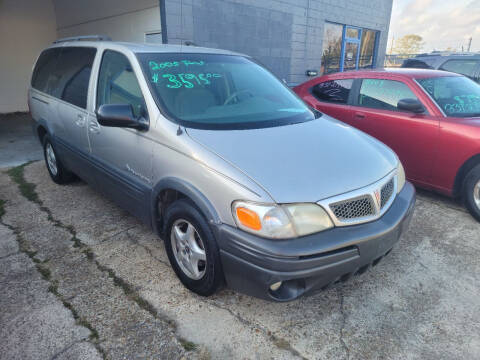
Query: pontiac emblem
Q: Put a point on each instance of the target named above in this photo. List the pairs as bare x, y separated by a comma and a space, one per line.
378, 198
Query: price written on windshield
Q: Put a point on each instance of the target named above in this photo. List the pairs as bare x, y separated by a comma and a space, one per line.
169, 64
187, 80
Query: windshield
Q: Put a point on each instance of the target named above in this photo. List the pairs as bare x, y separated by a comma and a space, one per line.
458, 96
220, 92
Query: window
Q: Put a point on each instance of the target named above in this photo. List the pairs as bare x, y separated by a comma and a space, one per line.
465, 67
117, 83
458, 96
74, 68
367, 49
383, 94
332, 48
336, 91
347, 48
65, 73
216, 92
43, 76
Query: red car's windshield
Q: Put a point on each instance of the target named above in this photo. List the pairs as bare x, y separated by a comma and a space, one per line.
457, 96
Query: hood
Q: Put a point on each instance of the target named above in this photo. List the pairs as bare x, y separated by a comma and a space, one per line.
303, 162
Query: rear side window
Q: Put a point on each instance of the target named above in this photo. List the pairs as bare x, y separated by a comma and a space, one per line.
65, 73
465, 67
117, 83
336, 91
74, 67
383, 94
44, 77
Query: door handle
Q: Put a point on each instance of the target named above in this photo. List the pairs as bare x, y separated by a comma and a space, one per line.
80, 120
93, 126
360, 115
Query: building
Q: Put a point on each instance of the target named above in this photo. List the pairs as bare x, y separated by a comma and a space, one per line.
290, 37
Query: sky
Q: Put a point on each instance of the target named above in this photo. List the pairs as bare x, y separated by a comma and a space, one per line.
441, 23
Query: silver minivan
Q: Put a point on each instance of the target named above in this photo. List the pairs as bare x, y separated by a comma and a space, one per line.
245, 184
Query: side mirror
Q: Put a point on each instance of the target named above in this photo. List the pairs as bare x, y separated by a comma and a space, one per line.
411, 105
120, 115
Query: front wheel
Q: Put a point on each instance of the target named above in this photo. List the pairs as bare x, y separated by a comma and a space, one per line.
471, 192
192, 249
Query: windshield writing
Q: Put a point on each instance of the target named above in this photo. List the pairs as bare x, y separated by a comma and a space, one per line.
457, 96
220, 91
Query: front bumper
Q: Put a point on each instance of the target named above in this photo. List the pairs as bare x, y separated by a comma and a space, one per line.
251, 263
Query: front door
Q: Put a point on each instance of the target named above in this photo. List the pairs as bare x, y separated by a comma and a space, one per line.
414, 137
122, 156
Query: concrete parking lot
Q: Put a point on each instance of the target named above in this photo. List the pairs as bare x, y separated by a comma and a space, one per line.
80, 278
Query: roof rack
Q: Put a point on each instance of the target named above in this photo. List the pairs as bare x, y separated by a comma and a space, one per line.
84, 38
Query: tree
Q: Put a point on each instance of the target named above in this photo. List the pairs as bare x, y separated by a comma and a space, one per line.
409, 44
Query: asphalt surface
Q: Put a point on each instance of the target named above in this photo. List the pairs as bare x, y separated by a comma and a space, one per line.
82, 279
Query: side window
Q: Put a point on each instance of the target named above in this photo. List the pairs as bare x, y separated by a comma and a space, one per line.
117, 83
465, 67
74, 69
383, 94
44, 76
335, 91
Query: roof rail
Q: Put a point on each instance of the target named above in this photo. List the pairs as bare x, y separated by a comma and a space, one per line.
84, 38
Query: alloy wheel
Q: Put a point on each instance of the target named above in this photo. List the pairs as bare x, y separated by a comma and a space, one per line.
476, 194
188, 249
51, 159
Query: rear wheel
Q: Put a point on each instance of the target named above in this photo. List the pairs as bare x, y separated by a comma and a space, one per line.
192, 249
471, 192
57, 171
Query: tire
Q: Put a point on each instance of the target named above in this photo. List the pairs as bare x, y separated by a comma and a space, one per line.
471, 192
180, 217
57, 171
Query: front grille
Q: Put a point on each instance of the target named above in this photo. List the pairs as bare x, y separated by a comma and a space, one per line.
386, 193
353, 208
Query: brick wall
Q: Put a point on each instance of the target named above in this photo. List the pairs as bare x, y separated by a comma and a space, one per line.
285, 35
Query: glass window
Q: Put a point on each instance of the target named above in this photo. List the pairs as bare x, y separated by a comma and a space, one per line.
43, 77
350, 59
117, 83
220, 91
73, 75
336, 91
351, 33
465, 67
458, 96
383, 94
367, 48
332, 48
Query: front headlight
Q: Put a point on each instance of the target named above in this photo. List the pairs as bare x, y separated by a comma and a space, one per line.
280, 221
400, 177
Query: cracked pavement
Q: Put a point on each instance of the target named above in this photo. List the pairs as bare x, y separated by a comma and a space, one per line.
113, 294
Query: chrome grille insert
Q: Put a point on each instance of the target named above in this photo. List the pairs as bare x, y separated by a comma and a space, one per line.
353, 208
362, 205
386, 192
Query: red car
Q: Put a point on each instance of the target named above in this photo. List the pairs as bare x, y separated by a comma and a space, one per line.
430, 118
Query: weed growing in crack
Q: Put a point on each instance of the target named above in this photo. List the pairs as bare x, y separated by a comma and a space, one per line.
187, 345
42, 269
27, 189
2, 208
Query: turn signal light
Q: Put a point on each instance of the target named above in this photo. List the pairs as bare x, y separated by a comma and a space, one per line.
248, 218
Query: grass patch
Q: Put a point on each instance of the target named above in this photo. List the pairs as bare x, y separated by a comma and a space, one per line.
187, 345
26, 189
